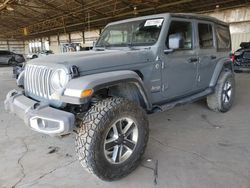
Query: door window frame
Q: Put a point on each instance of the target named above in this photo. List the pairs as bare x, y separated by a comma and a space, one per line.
193, 32
197, 34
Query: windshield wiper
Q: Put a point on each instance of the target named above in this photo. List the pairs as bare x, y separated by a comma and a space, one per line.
125, 44
131, 46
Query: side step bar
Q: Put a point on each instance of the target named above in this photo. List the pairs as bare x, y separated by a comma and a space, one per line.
183, 101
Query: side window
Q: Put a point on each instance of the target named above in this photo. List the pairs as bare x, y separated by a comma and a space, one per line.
205, 35
180, 35
223, 38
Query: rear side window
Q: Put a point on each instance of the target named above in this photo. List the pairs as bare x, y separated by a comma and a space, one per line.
205, 35
223, 38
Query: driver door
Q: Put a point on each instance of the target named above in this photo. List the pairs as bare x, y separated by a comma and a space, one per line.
180, 60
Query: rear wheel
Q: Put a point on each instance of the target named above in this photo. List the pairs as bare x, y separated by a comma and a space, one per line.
238, 71
222, 99
12, 62
112, 138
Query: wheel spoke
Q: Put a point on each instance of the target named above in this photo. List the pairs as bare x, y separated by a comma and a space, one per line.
110, 144
118, 126
115, 131
117, 154
229, 89
130, 144
130, 129
120, 152
225, 87
224, 98
126, 128
109, 152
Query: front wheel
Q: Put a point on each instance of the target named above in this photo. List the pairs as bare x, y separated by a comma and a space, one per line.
112, 138
222, 99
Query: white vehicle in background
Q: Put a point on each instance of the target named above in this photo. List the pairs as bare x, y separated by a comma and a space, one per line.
32, 56
39, 54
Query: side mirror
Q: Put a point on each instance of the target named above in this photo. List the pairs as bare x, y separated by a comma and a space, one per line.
176, 41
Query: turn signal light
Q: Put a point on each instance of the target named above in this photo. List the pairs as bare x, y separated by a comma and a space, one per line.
87, 92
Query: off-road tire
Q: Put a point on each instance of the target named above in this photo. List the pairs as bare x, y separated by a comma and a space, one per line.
238, 71
90, 137
215, 101
12, 62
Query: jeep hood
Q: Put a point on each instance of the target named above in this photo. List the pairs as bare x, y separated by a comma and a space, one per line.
98, 61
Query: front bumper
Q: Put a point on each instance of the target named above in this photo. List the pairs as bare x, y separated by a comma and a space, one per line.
16, 71
38, 116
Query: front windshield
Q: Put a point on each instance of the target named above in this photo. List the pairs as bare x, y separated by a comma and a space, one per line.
136, 33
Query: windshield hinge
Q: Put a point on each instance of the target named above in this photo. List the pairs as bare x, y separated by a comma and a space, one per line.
74, 71
163, 88
162, 65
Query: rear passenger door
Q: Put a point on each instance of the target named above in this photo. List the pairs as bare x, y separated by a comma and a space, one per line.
206, 52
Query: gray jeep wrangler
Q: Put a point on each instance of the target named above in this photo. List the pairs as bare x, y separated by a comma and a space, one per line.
138, 66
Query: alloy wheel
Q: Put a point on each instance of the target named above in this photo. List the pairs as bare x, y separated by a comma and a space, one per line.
227, 92
121, 140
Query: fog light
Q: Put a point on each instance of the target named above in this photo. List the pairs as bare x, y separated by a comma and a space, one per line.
42, 124
47, 125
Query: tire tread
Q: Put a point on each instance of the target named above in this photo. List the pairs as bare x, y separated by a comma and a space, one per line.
92, 123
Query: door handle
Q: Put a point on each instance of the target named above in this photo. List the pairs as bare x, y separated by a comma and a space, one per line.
213, 57
193, 59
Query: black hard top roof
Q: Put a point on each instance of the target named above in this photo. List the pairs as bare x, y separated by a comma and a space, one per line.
199, 17
180, 15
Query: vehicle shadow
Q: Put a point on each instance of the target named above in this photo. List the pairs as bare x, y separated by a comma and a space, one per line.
7, 66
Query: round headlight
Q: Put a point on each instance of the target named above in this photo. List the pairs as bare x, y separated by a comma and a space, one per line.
59, 79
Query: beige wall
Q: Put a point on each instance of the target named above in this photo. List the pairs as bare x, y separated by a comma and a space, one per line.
237, 38
90, 37
14, 46
76, 37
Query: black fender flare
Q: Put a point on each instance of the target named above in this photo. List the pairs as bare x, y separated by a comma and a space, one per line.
100, 81
222, 64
